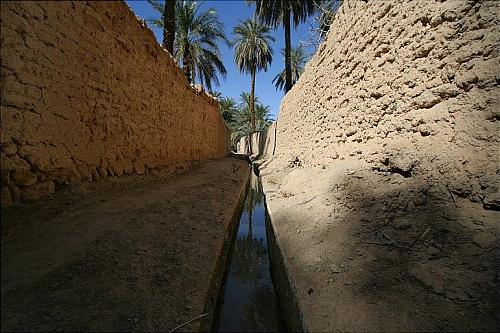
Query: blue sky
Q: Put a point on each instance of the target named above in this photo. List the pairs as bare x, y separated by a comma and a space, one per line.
230, 12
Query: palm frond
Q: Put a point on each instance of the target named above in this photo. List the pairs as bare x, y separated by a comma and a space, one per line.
298, 61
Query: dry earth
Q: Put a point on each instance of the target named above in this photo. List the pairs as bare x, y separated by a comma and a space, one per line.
370, 251
129, 253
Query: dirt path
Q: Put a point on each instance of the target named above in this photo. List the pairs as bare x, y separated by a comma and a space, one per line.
383, 253
134, 253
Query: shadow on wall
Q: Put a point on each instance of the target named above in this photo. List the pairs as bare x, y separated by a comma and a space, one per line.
398, 255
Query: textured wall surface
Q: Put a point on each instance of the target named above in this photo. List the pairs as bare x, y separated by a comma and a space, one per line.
87, 92
411, 87
383, 189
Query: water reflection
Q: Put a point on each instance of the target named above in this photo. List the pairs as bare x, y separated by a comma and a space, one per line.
249, 300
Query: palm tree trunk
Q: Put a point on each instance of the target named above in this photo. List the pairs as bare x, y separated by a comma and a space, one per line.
186, 65
169, 26
250, 214
252, 101
288, 48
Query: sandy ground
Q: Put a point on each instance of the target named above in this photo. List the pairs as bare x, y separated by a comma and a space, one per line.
373, 251
129, 253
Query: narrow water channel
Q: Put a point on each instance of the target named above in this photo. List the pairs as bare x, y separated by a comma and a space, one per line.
249, 302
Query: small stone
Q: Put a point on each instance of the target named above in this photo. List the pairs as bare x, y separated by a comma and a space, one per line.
420, 200
335, 269
434, 253
458, 295
6, 199
424, 130
24, 178
484, 239
15, 192
351, 131
102, 172
10, 149
492, 201
429, 279
310, 291
402, 224
38, 191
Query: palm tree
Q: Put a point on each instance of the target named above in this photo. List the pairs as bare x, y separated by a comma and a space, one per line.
242, 118
168, 18
328, 11
276, 12
227, 108
298, 61
169, 26
252, 53
197, 34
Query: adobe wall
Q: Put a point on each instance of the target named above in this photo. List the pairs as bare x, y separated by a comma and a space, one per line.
87, 92
383, 187
410, 87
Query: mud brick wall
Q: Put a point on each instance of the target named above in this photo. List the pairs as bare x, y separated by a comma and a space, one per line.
87, 92
407, 87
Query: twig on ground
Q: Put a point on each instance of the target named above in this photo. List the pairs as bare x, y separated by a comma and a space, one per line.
379, 243
393, 243
307, 200
321, 241
189, 321
452, 197
388, 238
235, 169
425, 232
421, 237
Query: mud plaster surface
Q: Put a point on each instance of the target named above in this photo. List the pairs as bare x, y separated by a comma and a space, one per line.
382, 179
128, 253
370, 252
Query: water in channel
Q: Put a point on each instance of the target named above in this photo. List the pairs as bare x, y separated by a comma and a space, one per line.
249, 302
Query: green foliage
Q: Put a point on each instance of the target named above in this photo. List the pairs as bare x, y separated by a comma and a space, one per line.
252, 43
227, 108
280, 12
298, 61
197, 37
273, 12
328, 9
253, 53
237, 116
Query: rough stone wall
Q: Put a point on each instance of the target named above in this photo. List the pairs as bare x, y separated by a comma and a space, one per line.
86, 92
257, 144
408, 87
383, 188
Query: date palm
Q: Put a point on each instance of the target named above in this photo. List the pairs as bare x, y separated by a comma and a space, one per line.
262, 112
241, 120
253, 52
277, 12
243, 117
197, 37
227, 108
167, 11
328, 9
298, 60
